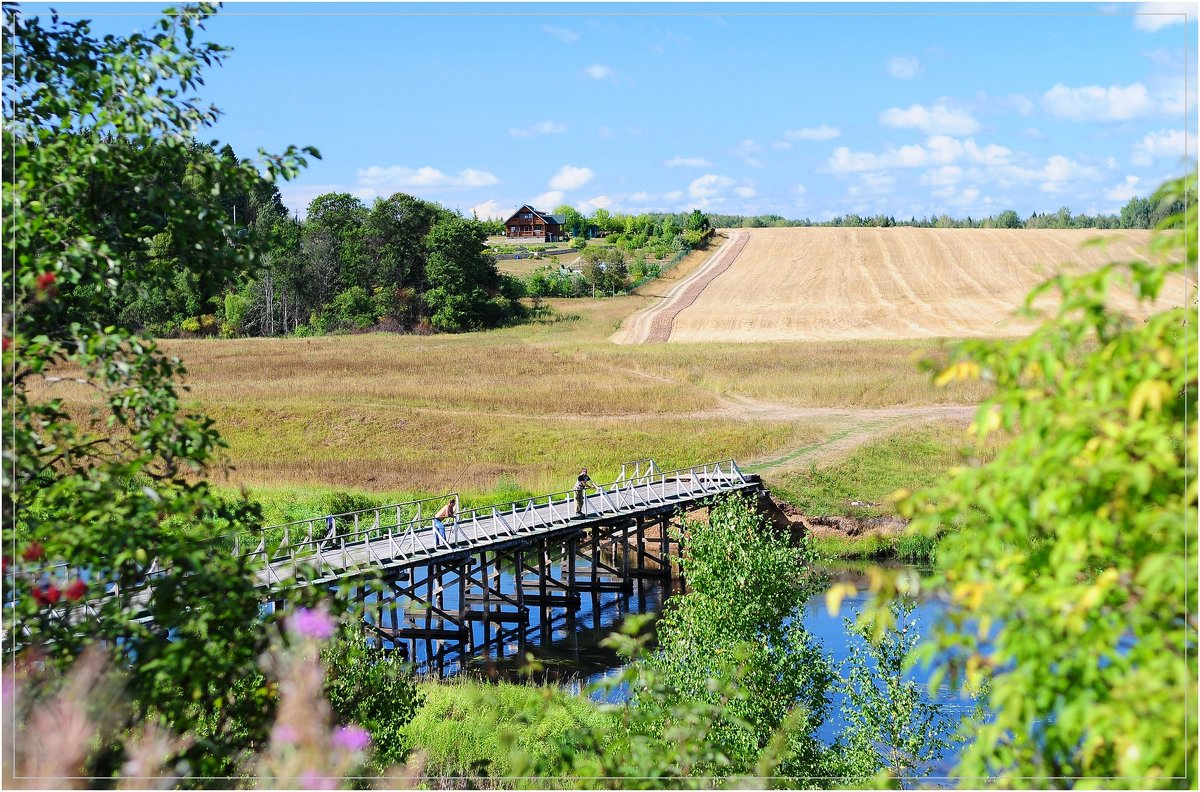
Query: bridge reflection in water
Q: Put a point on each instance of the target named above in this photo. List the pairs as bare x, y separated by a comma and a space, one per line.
563, 637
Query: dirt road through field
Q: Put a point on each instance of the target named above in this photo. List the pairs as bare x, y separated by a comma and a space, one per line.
656, 322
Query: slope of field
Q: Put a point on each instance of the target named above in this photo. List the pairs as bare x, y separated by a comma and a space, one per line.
793, 284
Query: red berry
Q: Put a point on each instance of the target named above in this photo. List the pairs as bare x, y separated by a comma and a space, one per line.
33, 552
76, 590
46, 280
46, 596
7, 343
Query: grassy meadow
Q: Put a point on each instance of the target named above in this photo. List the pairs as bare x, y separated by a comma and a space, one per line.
519, 410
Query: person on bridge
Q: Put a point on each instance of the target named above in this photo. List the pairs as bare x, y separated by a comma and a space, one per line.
444, 513
580, 484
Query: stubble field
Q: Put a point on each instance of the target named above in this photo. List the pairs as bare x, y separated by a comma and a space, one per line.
825, 284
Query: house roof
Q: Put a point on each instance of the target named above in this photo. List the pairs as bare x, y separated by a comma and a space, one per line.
557, 219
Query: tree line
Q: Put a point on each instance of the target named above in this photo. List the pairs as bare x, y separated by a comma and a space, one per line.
1142, 213
402, 264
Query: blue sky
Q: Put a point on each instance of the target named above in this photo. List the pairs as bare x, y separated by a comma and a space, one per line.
804, 110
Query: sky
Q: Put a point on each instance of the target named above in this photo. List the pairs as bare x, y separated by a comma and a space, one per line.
798, 109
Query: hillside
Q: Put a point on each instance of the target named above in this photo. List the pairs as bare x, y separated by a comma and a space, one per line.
808, 284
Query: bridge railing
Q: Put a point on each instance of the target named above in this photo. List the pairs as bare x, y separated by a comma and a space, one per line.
638, 470
334, 545
400, 542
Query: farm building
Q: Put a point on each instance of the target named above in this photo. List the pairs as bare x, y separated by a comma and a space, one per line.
529, 223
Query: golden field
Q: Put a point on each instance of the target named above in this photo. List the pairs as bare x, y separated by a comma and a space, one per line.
821, 284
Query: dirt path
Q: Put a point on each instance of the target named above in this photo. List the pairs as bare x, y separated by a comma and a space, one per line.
656, 322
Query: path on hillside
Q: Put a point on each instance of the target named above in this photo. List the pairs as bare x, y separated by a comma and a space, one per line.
654, 324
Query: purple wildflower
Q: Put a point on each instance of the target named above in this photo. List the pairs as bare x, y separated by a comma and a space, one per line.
311, 623
283, 733
310, 780
352, 738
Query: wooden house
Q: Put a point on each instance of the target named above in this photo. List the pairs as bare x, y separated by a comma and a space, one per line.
529, 224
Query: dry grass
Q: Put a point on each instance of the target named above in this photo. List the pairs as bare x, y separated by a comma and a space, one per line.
524, 407
526, 404
810, 284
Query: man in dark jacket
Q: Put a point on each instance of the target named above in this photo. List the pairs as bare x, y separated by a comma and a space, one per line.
580, 483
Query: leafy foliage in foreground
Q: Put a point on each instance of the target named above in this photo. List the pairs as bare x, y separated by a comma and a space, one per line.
1071, 558
100, 160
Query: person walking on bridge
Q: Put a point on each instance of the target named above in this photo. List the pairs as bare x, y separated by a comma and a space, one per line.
581, 483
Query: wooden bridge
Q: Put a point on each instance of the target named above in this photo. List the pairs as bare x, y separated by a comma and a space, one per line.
493, 578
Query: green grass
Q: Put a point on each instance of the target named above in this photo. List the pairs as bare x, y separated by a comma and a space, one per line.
911, 458
904, 547
473, 728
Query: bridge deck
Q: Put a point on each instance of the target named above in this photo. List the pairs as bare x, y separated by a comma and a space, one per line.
400, 544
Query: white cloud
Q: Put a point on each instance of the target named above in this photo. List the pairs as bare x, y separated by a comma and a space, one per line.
799, 189
745, 192
1022, 104
968, 196
846, 161
643, 201
943, 176
562, 34
1155, 16
1096, 103
491, 210
399, 177
592, 204
708, 186
991, 154
1157, 145
1124, 191
938, 119
944, 149
688, 162
745, 149
822, 132
873, 184
598, 71
937, 150
570, 177
547, 201
1060, 170
1173, 100
543, 128
904, 67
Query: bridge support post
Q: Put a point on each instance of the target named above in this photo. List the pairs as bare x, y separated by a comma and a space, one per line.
545, 570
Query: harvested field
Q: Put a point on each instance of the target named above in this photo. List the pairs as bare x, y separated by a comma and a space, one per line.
807, 284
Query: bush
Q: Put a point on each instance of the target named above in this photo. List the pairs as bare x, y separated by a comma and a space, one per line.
579, 242
352, 309
369, 686
199, 326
